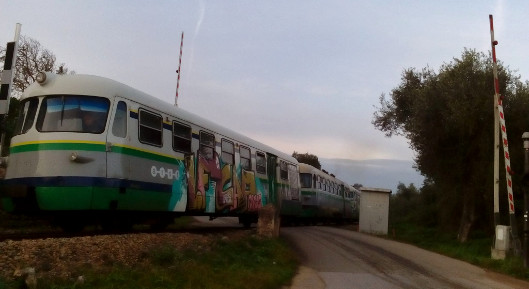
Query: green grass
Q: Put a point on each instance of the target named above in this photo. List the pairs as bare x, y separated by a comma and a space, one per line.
475, 251
248, 262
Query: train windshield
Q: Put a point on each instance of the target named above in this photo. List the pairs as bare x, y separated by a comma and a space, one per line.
73, 113
305, 180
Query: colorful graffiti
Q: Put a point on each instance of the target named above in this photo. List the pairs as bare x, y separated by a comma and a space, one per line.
212, 186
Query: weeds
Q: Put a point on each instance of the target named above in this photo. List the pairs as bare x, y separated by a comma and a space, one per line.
250, 261
475, 251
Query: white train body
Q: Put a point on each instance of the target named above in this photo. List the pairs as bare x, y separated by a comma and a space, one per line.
87, 143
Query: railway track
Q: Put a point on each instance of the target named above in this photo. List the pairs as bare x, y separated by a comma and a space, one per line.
200, 225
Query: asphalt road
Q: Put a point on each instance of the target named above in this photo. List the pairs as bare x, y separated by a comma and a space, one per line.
338, 258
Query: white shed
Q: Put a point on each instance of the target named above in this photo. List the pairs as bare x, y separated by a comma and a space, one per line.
374, 210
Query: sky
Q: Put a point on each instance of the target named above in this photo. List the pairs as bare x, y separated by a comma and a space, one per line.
297, 75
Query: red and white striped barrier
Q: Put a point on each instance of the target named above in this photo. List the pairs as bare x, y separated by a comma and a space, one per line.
179, 64
499, 98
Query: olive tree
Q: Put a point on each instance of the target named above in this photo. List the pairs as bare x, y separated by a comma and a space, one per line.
448, 119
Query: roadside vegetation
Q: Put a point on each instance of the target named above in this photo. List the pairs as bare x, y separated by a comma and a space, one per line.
412, 223
249, 262
447, 116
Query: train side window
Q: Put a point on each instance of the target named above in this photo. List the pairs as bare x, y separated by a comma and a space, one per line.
181, 137
305, 180
119, 127
246, 160
207, 145
150, 128
283, 170
260, 162
228, 151
26, 116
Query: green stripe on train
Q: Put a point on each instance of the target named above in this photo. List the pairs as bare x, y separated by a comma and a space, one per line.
98, 147
57, 146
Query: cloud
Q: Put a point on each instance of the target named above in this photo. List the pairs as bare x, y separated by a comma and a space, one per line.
201, 13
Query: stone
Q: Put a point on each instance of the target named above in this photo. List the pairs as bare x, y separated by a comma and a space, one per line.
269, 221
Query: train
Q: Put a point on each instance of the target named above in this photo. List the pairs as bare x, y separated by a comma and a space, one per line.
88, 149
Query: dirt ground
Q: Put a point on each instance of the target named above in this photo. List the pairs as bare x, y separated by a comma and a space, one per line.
67, 257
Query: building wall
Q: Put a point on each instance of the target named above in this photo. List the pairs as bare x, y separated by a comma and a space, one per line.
374, 211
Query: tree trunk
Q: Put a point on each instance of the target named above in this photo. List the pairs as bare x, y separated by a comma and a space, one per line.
467, 219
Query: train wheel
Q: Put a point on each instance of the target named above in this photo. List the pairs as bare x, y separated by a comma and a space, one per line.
246, 221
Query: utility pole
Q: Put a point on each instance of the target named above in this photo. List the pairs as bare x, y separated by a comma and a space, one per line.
525, 138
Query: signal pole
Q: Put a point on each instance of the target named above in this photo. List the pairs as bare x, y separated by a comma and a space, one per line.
7, 79
496, 133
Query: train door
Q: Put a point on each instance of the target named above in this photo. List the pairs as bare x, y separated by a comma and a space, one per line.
118, 139
271, 165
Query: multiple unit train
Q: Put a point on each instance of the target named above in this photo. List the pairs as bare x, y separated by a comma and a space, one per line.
90, 149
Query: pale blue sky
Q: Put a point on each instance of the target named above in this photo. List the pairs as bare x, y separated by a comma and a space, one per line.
296, 75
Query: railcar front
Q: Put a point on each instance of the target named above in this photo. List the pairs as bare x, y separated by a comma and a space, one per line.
309, 193
322, 196
58, 154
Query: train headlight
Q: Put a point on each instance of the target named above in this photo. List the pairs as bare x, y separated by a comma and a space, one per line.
42, 77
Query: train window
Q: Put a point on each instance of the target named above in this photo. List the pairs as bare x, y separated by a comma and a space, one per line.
26, 115
150, 128
119, 127
246, 160
283, 171
207, 145
260, 163
228, 151
181, 137
305, 180
73, 113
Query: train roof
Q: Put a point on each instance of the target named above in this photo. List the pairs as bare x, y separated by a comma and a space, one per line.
82, 84
306, 168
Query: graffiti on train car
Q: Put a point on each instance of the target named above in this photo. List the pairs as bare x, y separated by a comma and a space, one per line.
207, 184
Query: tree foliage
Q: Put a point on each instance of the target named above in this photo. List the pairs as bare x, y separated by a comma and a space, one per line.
448, 118
32, 58
307, 158
409, 204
